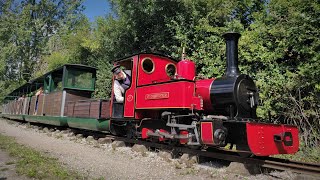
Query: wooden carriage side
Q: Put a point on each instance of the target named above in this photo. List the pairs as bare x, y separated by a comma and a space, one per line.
67, 92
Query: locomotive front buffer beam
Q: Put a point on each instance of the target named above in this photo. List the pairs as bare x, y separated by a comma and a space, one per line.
263, 139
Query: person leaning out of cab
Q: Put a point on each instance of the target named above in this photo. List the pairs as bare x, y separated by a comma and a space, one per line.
121, 84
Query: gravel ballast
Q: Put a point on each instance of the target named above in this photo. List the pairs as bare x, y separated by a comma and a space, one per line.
95, 160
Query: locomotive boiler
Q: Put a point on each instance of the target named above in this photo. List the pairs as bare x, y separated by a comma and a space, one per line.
234, 95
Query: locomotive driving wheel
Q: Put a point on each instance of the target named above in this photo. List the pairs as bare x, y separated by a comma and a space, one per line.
131, 131
118, 129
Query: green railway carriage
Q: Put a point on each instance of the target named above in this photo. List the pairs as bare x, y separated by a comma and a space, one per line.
65, 101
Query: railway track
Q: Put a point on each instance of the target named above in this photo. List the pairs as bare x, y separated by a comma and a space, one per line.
265, 162
228, 155
299, 167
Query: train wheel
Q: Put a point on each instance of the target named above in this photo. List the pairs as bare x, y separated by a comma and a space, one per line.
117, 130
131, 132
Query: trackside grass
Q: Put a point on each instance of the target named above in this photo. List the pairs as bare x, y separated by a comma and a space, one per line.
34, 164
305, 154
311, 155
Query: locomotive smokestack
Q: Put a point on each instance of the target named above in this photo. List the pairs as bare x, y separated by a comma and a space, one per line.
232, 53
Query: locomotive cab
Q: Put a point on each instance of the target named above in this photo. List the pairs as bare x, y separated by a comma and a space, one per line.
118, 107
155, 86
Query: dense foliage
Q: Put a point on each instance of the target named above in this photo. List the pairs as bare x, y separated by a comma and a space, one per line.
279, 46
26, 27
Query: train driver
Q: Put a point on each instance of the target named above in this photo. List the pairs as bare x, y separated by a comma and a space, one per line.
122, 82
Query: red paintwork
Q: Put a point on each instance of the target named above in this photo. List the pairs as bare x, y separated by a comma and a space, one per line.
112, 98
130, 94
207, 133
153, 114
149, 96
185, 140
186, 69
158, 75
203, 89
148, 113
261, 139
197, 103
177, 94
144, 133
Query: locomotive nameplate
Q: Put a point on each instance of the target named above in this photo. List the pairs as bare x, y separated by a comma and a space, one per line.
161, 95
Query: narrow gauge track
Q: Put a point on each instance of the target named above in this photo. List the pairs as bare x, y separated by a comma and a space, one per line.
228, 155
266, 162
295, 166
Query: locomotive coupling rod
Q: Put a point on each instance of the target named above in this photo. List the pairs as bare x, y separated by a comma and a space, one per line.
183, 115
166, 135
181, 125
217, 117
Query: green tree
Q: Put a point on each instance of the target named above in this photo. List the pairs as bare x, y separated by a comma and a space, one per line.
30, 24
26, 27
76, 46
281, 50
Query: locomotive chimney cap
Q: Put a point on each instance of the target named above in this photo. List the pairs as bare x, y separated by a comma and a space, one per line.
231, 34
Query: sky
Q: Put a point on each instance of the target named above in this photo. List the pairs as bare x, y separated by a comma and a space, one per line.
95, 8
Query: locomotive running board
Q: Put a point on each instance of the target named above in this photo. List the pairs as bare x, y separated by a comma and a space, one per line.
269, 139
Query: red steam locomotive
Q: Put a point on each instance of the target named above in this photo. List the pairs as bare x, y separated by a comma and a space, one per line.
165, 101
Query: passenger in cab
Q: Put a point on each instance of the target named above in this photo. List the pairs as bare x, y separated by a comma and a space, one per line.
121, 84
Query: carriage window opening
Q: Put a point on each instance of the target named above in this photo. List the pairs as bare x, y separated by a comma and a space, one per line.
171, 70
46, 84
56, 82
79, 79
147, 65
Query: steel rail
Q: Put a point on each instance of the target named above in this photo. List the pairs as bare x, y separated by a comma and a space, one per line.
266, 162
222, 154
295, 166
